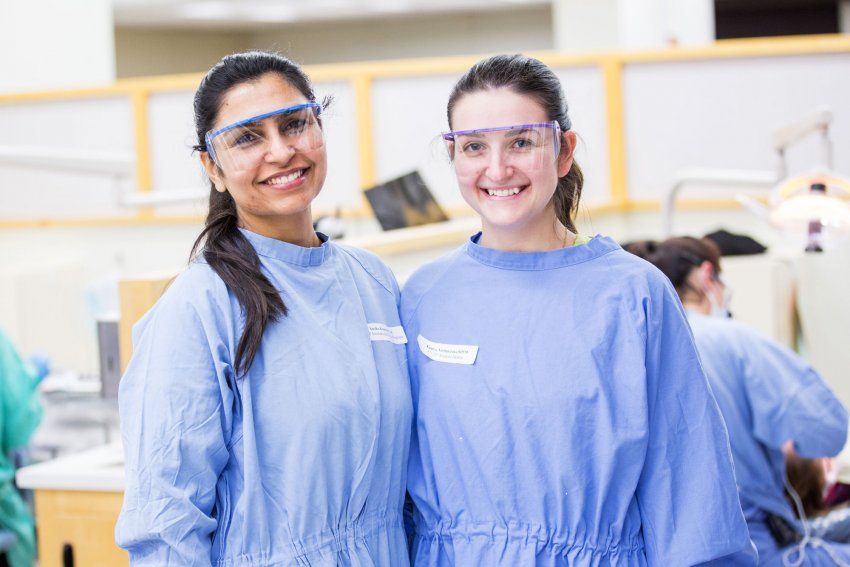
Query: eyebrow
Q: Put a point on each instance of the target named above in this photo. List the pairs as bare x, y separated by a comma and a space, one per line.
518, 131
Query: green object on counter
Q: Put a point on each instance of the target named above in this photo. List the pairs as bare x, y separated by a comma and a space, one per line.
20, 414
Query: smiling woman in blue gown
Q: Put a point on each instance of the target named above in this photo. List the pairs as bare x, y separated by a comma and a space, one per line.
561, 414
266, 410
768, 395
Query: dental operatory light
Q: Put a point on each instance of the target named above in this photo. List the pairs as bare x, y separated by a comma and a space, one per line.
813, 206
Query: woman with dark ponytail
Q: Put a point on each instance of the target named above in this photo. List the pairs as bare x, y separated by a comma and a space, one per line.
776, 408
561, 414
266, 410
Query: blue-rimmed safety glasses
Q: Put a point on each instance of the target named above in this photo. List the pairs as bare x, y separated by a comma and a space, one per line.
529, 147
242, 145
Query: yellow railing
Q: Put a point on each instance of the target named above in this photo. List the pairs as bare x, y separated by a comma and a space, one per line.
361, 75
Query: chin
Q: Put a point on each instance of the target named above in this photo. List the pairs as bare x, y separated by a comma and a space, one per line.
504, 219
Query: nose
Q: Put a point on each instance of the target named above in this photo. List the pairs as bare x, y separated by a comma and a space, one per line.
498, 167
278, 149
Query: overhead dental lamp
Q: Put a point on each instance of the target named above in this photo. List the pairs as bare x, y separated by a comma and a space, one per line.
811, 204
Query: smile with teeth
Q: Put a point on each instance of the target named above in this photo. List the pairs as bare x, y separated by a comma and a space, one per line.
504, 192
284, 179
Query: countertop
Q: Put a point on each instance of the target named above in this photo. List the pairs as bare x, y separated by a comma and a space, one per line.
100, 469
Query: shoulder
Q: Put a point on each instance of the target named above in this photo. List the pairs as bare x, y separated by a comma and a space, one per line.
197, 285
637, 271
426, 278
729, 330
633, 278
197, 293
371, 264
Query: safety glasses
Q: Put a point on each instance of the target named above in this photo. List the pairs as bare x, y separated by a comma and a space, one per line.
242, 145
528, 146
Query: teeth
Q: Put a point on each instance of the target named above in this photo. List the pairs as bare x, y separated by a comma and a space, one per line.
285, 178
503, 192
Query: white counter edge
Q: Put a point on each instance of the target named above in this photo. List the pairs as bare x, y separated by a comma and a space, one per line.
97, 470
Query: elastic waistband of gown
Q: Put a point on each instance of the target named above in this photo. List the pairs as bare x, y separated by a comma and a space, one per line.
526, 534
330, 540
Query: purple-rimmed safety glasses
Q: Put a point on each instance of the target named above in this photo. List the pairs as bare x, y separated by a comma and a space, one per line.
530, 147
242, 145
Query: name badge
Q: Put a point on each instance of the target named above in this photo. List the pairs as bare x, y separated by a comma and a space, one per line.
380, 332
453, 354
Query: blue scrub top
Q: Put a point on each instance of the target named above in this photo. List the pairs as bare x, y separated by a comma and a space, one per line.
768, 395
301, 461
583, 431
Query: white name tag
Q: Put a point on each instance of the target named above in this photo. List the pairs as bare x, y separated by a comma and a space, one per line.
455, 354
380, 332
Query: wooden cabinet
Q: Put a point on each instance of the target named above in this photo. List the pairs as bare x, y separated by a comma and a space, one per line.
83, 520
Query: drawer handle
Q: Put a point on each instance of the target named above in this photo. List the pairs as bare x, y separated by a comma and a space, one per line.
67, 555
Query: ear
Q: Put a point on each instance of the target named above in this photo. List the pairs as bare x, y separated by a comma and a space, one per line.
565, 156
213, 172
450, 148
706, 273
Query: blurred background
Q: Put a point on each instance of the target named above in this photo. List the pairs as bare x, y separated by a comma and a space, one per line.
693, 116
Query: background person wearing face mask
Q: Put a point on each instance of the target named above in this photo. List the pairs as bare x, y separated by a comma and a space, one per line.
769, 397
265, 413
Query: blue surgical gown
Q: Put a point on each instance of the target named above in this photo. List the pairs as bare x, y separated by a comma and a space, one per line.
302, 460
768, 395
583, 433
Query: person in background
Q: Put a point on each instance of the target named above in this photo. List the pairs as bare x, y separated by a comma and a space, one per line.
771, 400
561, 413
266, 412
20, 414
809, 478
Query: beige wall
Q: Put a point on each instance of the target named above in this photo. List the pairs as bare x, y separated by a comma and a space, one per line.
162, 52
141, 52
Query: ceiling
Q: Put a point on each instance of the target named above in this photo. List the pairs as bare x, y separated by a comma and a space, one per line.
242, 14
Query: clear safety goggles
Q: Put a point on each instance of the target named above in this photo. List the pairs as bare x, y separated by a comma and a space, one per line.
529, 147
242, 145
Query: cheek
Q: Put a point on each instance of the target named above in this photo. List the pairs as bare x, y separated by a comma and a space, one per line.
545, 182
467, 183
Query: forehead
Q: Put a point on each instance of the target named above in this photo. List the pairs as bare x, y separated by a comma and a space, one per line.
496, 107
252, 98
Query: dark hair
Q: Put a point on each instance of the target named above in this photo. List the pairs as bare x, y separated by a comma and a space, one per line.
807, 478
676, 257
528, 76
223, 246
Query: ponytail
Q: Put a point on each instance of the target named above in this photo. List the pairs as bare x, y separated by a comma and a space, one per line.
567, 196
234, 259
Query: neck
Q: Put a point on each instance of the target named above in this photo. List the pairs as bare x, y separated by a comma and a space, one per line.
295, 229
702, 307
538, 236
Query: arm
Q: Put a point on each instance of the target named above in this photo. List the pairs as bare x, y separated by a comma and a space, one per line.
790, 401
687, 495
21, 410
175, 405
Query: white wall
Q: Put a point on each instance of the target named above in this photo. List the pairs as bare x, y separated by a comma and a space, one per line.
51, 44
721, 114
580, 25
631, 24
